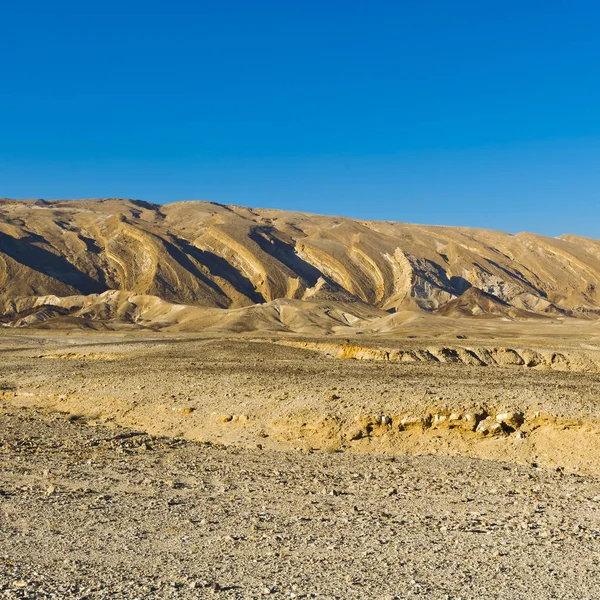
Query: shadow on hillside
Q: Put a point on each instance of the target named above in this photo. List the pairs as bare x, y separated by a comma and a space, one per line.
43, 261
219, 267
285, 254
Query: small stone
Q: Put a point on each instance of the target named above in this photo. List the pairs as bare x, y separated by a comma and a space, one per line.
438, 419
514, 420
489, 426
411, 421
225, 418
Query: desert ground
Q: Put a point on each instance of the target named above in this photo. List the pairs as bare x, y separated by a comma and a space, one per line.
97, 512
158, 465
207, 400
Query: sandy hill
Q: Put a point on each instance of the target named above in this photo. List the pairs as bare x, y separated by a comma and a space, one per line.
477, 303
200, 264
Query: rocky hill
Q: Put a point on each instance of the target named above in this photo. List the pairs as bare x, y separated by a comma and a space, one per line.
111, 261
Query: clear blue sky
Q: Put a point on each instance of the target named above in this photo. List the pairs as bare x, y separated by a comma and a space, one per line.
478, 113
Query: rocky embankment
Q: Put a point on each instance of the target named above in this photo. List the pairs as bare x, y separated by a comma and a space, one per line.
530, 358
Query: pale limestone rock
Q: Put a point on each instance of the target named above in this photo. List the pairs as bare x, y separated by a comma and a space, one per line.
489, 426
511, 419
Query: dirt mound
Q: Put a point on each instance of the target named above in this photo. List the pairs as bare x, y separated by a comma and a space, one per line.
121, 309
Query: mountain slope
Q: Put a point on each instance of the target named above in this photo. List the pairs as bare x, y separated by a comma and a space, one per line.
476, 303
223, 256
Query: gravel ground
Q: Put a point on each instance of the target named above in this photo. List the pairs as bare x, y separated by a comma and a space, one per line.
244, 392
89, 511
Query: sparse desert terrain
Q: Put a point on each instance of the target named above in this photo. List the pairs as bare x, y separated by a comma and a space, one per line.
201, 400
141, 465
91, 512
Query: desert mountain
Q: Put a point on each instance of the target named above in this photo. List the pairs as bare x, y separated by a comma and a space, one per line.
184, 263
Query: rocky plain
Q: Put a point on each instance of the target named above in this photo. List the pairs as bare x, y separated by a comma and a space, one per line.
96, 512
160, 466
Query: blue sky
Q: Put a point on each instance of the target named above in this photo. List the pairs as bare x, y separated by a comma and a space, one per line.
473, 113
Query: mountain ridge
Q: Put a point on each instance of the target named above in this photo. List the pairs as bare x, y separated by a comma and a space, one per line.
216, 256
225, 205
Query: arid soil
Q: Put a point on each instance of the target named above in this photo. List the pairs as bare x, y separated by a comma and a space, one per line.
149, 465
200, 399
94, 512
532, 401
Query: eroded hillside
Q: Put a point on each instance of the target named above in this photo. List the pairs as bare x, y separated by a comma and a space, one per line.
211, 256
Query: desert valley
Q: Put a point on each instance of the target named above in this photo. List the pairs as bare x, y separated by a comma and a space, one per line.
201, 399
